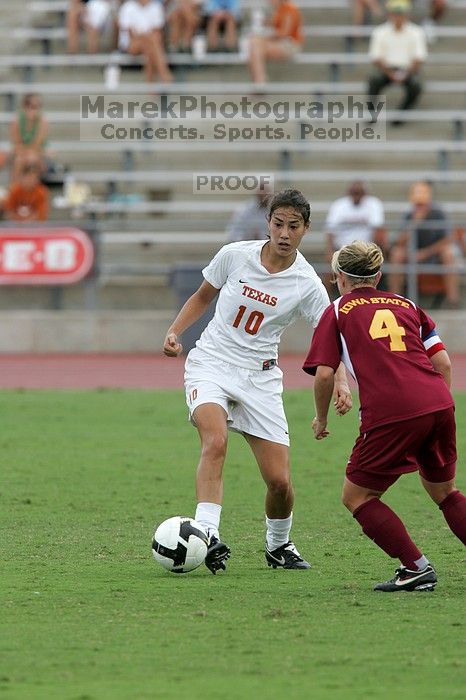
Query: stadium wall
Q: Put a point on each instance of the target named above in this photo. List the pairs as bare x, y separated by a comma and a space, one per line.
144, 331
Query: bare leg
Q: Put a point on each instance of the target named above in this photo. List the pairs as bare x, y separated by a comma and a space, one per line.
439, 491
451, 279
175, 25
230, 32
273, 461
72, 24
211, 423
92, 39
156, 56
354, 496
213, 27
257, 59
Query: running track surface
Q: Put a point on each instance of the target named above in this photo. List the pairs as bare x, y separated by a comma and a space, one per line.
135, 372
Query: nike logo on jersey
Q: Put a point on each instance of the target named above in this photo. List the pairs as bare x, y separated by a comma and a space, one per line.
241, 281
256, 295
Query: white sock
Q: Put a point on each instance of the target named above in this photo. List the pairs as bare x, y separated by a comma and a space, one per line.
278, 531
422, 563
208, 515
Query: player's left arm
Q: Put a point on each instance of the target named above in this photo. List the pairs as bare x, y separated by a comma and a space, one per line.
441, 363
434, 347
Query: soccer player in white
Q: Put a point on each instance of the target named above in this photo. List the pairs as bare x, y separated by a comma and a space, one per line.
232, 378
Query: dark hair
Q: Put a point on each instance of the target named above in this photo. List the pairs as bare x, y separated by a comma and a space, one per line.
291, 198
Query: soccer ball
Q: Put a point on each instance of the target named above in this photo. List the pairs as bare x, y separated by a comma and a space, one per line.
179, 544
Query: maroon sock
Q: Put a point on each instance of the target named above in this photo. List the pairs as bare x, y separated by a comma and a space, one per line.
453, 508
382, 525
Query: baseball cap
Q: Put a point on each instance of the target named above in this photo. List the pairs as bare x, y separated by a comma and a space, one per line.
400, 6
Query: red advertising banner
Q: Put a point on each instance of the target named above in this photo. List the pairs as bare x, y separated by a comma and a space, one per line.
44, 256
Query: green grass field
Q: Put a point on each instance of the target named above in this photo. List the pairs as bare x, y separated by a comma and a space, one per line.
86, 614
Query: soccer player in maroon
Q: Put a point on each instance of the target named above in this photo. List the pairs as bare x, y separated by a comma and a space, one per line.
392, 349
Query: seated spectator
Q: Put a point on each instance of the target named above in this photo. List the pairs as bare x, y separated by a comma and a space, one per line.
428, 224
357, 216
281, 43
430, 23
141, 25
364, 8
398, 49
28, 134
183, 21
249, 221
27, 199
92, 15
222, 14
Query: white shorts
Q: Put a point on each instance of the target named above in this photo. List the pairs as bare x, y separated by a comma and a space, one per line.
252, 399
97, 13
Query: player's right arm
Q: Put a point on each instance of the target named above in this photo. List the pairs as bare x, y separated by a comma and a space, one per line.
323, 391
192, 310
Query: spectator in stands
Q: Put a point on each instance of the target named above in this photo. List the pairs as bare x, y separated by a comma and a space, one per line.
27, 199
362, 8
222, 14
92, 15
398, 49
428, 224
281, 43
141, 25
183, 21
28, 134
357, 216
437, 11
249, 221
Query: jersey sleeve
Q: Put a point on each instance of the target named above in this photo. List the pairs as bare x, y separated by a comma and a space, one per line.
326, 348
314, 299
429, 336
217, 271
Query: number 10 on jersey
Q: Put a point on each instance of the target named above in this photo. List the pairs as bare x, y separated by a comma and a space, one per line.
252, 323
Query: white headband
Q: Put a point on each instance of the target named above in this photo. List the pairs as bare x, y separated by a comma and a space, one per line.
373, 274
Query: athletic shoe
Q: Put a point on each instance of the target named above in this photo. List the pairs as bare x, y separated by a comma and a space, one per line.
286, 556
407, 580
217, 553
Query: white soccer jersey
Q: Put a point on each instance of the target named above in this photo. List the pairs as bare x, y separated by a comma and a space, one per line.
254, 306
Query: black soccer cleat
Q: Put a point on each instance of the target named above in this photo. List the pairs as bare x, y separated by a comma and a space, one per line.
217, 554
407, 580
286, 556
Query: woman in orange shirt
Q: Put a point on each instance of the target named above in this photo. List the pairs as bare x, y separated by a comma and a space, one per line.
284, 40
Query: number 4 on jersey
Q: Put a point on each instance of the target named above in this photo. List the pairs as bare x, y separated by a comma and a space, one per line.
384, 325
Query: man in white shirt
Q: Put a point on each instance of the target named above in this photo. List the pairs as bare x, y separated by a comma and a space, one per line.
140, 25
357, 216
249, 221
398, 49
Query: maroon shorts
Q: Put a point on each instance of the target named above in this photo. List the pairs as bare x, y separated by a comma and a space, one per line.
426, 444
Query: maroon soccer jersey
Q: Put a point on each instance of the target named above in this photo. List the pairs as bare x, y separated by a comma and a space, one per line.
385, 342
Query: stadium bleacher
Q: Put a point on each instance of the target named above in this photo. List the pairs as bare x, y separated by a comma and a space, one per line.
142, 191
